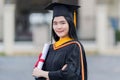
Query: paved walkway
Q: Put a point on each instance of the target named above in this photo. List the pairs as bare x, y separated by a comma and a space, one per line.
99, 67
16, 68
104, 67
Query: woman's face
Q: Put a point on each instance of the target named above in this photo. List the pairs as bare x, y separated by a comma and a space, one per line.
61, 26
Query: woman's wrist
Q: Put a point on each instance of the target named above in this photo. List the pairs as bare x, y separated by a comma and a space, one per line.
45, 74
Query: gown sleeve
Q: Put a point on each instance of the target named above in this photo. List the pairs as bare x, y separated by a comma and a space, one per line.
72, 71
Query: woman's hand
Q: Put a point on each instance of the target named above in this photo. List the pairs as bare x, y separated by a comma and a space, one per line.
63, 68
36, 72
40, 73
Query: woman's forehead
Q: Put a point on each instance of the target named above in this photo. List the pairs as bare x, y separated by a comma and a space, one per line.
59, 18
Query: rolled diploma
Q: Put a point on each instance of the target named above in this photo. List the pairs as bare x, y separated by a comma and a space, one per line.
44, 54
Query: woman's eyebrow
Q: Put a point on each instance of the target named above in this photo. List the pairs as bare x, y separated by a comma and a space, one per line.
62, 21
54, 21
59, 21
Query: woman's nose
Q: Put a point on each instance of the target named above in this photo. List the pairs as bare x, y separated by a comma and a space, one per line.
58, 26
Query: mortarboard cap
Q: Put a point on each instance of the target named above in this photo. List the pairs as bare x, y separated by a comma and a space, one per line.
63, 9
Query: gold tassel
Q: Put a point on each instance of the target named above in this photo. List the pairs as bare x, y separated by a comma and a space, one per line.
75, 18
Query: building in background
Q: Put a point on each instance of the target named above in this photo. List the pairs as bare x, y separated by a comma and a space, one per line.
25, 26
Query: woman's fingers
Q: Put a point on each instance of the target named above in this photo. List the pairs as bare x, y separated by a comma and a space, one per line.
63, 68
36, 72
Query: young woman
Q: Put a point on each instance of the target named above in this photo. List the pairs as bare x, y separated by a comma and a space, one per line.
66, 58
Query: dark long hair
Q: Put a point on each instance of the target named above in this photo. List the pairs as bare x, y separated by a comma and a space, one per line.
72, 30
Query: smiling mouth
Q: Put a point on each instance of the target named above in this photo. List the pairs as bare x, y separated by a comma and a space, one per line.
59, 31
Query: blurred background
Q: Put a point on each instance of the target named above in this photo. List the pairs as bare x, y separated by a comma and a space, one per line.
25, 27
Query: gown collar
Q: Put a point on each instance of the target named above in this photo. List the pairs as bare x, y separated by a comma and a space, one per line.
62, 41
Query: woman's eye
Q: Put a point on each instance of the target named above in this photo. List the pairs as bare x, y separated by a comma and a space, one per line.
54, 23
62, 22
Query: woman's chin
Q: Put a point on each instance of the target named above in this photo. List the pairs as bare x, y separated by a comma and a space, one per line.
60, 35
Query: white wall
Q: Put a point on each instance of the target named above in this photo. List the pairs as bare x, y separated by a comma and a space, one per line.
1, 19
87, 19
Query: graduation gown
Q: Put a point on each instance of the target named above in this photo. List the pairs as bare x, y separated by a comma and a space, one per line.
71, 53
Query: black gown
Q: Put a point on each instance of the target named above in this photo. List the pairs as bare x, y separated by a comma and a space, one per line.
67, 54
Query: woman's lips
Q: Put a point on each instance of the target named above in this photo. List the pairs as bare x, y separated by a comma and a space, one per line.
60, 31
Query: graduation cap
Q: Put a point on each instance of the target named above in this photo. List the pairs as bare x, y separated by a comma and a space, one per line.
62, 9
